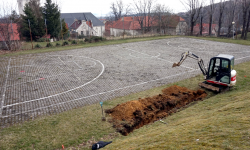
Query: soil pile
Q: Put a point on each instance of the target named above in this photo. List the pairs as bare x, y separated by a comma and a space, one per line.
134, 114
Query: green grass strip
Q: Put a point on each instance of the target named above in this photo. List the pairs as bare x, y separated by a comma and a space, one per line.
70, 47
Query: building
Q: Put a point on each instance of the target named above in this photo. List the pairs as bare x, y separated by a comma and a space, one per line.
21, 4
205, 29
182, 26
135, 26
84, 23
128, 25
83, 28
9, 36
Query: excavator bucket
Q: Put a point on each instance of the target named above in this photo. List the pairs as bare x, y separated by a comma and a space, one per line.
175, 64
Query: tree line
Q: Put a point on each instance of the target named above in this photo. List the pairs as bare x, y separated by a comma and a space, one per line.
145, 12
226, 14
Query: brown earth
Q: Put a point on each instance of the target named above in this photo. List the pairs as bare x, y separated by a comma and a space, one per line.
134, 114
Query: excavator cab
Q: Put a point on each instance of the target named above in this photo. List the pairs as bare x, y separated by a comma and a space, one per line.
218, 75
220, 68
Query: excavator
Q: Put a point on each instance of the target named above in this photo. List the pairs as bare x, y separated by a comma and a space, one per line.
220, 75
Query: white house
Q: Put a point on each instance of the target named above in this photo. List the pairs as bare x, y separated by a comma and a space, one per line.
84, 23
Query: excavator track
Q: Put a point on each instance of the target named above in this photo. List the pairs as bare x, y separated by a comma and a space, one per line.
212, 87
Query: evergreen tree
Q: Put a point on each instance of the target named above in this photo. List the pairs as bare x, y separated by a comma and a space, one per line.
52, 14
65, 30
14, 17
36, 23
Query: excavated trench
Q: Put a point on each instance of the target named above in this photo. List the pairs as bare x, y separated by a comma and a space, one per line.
134, 114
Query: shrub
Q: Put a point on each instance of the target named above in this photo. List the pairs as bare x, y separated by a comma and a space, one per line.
65, 43
42, 40
81, 36
82, 42
58, 44
49, 45
74, 42
86, 40
94, 38
38, 46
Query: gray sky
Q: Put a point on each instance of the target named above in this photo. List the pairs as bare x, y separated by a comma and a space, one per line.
97, 7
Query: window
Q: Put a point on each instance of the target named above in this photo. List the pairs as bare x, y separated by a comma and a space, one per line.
232, 64
81, 32
217, 62
211, 68
225, 65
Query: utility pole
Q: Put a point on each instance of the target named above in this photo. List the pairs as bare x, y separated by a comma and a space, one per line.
88, 29
133, 26
61, 28
101, 27
13, 35
30, 33
113, 29
46, 30
160, 23
101, 31
123, 26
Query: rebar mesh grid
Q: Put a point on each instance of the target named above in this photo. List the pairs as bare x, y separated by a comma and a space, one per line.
50, 83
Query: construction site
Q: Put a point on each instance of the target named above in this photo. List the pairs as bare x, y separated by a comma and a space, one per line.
49, 83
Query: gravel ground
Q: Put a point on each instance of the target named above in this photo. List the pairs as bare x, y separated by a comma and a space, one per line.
48, 83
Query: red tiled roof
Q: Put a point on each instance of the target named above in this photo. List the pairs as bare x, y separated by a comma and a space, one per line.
15, 31
181, 19
205, 28
109, 24
129, 24
173, 21
89, 23
76, 25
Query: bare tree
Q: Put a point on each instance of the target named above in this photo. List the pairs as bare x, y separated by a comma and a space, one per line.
194, 8
119, 9
164, 16
245, 7
143, 11
140, 11
230, 14
201, 20
211, 10
222, 6
247, 26
150, 4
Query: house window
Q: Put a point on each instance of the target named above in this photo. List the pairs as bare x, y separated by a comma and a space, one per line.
81, 32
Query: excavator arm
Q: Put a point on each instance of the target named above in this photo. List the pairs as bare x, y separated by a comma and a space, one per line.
191, 55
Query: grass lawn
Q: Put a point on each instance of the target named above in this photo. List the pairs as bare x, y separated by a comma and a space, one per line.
27, 45
227, 40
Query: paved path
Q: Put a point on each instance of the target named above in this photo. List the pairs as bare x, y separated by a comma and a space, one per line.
48, 83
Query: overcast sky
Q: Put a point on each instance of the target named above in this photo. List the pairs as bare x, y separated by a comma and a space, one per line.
97, 7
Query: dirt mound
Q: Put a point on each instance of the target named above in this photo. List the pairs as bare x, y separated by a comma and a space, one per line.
134, 114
